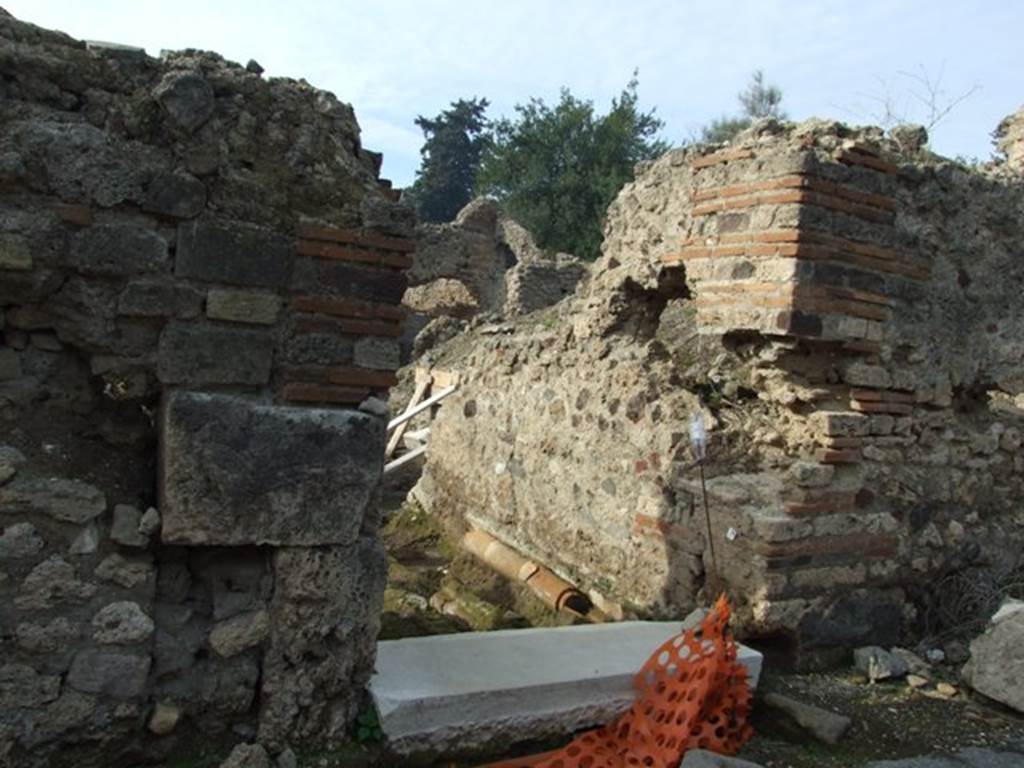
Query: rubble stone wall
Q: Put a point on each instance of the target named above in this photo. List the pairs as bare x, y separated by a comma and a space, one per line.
501, 269
1010, 139
200, 279
846, 316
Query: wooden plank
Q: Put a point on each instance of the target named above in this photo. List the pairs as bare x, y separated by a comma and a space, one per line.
404, 459
433, 400
444, 379
421, 389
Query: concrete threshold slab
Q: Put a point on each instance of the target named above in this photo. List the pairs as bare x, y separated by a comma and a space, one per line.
462, 692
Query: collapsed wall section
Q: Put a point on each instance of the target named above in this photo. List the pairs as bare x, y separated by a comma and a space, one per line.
845, 316
1009, 136
484, 262
200, 279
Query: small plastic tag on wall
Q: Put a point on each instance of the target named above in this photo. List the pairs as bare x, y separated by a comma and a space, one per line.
698, 436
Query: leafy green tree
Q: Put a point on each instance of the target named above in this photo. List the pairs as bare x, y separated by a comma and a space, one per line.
759, 99
454, 142
556, 168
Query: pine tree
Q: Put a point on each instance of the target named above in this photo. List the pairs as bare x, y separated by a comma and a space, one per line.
454, 142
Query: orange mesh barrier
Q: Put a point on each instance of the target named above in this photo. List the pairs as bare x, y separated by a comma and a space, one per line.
691, 694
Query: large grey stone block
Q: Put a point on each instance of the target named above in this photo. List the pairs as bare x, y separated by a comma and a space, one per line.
235, 471
234, 253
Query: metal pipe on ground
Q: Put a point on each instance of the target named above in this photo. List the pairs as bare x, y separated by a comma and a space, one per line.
542, 581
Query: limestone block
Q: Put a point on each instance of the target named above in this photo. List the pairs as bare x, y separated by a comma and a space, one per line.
71, 710
863, 375
237, 580
164, 719
326, 608
214, 689
321, 276
70, 501
235, 471
248, 756
233, 253
52, 637
175, 647
21, 686
181, 195
809, 474
378, 354
256, 307
316, 348
153, 298
150, 522
878, 664
20, 541
118, 674
10, 459
86, 542
128, 572
199, 355
239, 633
187, 99
14, 253
824, 725
121, 623
10, 365
840, 423
51, 582
125, 528
997, 662
119, 249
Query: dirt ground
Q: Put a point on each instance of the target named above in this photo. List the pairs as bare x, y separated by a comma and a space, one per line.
891, 720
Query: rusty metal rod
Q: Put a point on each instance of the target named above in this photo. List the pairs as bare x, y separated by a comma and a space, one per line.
711, 538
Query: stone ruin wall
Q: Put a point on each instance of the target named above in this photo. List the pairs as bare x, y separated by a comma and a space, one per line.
851, 327
200, 279
1009, 137
484, 262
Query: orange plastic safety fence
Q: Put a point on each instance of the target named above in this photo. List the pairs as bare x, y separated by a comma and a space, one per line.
692, 693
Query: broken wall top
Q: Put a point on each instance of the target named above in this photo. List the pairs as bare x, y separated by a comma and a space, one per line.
1009, 136
112, 126
839, 236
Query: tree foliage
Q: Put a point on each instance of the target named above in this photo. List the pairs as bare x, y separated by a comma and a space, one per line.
556, 168
454, 143
758, 100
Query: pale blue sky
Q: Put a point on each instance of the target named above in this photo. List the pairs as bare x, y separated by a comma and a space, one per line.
394, 59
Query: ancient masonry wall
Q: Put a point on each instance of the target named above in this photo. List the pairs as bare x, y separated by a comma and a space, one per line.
200, 279
1010, 139
494, 260
856, 352
908, 430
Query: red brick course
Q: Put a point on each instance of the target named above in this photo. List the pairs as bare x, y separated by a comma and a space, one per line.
355, 237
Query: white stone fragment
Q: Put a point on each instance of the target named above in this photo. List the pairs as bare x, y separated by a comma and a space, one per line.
471, 689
